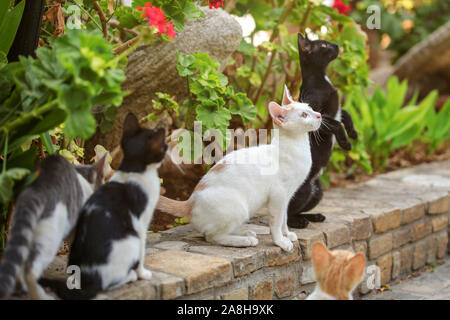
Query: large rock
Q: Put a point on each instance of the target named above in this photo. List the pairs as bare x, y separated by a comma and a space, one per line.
426, 64
152, 68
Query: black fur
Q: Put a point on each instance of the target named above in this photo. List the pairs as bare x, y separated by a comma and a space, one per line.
107, 215
322, 97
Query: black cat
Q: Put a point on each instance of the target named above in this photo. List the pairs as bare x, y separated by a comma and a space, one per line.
319, 93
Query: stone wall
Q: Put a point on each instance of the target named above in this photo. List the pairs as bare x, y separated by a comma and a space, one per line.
399, 220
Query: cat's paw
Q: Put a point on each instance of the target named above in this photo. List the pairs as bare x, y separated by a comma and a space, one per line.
297, 222
291, 236
285, 244
252, 241
250, 233
144, 274
314, 217
346, 145
353, 134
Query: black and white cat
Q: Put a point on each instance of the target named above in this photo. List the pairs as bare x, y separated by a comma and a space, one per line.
109, 245
45, 214
319, 93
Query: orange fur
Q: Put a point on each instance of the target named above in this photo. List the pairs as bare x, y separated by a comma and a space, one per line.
337, 272
174, 207
218, 167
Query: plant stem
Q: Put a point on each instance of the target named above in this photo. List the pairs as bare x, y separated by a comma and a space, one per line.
28, 116
91, 17
126, 48
5, 154
274, 35
306, 17
102, 17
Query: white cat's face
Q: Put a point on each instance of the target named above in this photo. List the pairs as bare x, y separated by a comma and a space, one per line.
294, 116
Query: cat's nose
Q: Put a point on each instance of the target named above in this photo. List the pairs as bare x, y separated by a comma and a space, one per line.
318, 115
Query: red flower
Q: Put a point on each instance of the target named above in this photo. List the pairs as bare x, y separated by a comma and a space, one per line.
157, 18
342, 8
216, 3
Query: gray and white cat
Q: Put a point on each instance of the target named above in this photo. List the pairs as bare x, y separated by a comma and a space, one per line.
45, 214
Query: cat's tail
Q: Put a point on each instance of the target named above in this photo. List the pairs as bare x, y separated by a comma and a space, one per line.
177, 208
60, 287
25, 217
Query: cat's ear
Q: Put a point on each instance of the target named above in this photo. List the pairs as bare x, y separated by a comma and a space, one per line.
130, 126
304, 45
277, 113
102, 167
287, 98
320, 256
158, 141
355, 268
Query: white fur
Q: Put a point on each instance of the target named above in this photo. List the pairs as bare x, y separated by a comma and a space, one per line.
237, 191
116, 271
56, 226
318, 294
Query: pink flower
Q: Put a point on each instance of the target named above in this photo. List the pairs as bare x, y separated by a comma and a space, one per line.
157, 18
341, 7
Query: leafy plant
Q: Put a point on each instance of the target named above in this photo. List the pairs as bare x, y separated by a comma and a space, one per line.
385, 124
406, 23
438, 127
261, 69
9, 23
60, 86
213, 101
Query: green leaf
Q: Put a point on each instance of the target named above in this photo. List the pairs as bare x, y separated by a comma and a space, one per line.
47, 142
6, 191
80, 123
9, 25
50, 121
211, 117
22, 159
4, 6
128, 17
243, 107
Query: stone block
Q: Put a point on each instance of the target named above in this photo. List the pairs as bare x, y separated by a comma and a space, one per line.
306, 239
440, 222
263, 290
401, 236
421, 229
385, 264
396, 264
238, 294
439, 205
244, 260
380, 245
199, 271
284, 286
419, 254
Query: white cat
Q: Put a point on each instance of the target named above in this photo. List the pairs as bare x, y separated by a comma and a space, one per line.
231, 192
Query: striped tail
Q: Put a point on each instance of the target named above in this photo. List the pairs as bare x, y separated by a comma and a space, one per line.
25, 218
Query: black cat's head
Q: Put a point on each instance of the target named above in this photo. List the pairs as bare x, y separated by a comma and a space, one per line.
317, 53
141, 147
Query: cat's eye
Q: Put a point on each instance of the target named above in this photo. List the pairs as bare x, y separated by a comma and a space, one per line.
304, 115
324, 45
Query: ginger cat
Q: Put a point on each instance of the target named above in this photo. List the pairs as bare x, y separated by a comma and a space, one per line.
337, 273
